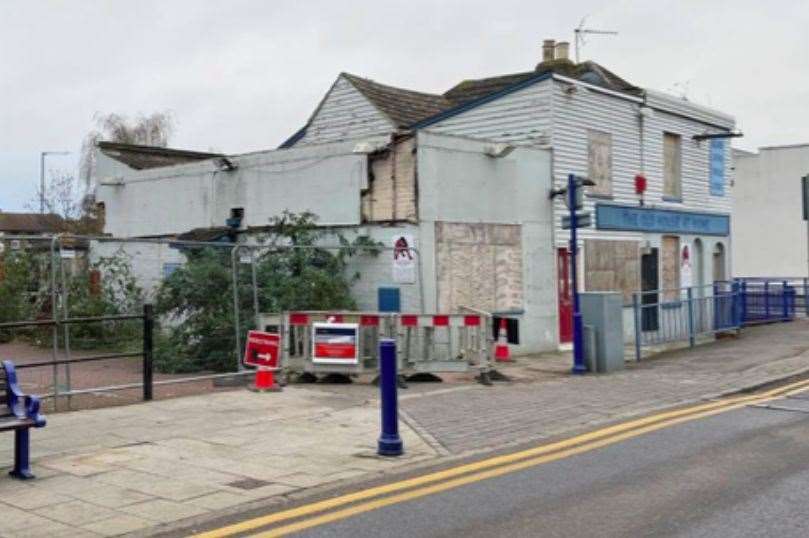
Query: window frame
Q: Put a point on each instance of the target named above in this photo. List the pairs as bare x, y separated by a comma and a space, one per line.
598, 190
678, 195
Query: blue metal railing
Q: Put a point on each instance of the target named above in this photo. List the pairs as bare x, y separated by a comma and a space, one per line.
683, 314
767, 300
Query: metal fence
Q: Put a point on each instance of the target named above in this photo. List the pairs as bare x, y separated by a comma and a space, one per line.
674, 315
771, 299
60, 372
48, 283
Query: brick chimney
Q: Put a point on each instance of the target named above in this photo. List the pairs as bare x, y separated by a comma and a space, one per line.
561, 51
548, 50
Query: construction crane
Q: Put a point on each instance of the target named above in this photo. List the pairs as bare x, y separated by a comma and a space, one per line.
581, 31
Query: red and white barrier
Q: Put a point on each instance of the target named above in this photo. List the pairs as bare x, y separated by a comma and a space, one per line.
439, 320
435, 342
301, 319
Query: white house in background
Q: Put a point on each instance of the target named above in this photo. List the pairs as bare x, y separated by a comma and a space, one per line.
598, 125
770, 236
477, 212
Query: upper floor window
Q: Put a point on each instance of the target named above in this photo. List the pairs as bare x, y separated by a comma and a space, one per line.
717, 167
672, 167
600, 162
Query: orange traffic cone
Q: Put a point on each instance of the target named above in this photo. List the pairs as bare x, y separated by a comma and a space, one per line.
501, 351
265, 381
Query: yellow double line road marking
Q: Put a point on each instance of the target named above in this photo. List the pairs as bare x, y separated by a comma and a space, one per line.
489, 468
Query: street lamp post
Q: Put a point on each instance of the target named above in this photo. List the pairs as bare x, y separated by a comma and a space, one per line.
42, 175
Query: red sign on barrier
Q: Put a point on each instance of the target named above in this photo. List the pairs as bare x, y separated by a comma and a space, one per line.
335, 343
261, 349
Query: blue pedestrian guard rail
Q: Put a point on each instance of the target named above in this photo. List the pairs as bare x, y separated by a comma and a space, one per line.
772, 299
668, 316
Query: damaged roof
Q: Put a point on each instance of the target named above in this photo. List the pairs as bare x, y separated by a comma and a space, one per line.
409, 109
31, 223
213, 234
403, 107
144, 157
589, 72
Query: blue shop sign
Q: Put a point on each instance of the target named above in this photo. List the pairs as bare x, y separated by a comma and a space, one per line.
644, 219
717, 167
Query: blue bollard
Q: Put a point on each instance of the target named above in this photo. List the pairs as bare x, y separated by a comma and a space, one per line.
390, 444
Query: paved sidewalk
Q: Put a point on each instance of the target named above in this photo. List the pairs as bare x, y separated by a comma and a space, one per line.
111, 471
477, 418
138, 468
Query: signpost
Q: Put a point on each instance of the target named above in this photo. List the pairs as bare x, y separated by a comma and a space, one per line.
574, 198
261, 349
261, 352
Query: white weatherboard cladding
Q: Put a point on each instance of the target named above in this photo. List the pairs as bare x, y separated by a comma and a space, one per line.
696, 193
574, 114
522, 116
545, 108
344, 114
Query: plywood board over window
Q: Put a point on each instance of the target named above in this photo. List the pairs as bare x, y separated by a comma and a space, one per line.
612, 266
672, 166
479, 265
599, 162
670, 267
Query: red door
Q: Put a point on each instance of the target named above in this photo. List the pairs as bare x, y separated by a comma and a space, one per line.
565, 297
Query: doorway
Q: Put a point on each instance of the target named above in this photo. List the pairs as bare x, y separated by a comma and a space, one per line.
699, 265
719, 263
649, 284
565, 296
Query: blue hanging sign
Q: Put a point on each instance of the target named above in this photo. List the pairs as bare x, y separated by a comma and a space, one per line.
644, 219
717, 172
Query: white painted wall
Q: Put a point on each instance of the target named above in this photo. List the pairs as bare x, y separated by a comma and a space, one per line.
325, 179
345, 114
769, 233
459, 183
377, 271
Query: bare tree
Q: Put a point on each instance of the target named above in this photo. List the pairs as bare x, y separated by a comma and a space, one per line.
151, 130
65, 197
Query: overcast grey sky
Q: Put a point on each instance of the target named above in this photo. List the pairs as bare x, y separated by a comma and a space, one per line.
242, 75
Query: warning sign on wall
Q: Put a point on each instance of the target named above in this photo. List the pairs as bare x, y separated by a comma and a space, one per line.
686, 275
404, 259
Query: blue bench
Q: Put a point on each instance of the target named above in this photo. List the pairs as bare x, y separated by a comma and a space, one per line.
18, 413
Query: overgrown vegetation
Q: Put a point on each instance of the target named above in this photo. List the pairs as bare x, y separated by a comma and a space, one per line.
103, 288
20, 294
106, 288
294, 271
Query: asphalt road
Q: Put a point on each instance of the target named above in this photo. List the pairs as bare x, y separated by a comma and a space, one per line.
743, 472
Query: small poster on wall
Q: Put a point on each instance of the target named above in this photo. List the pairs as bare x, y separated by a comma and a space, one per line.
686, 274
404, 259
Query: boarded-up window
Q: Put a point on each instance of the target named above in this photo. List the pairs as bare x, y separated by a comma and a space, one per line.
670, 267
672, 166
479, 265
600, 162
612, 266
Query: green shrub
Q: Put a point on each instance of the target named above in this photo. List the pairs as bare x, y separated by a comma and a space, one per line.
195, 303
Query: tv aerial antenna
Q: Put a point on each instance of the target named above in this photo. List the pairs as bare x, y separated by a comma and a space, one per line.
581, 31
